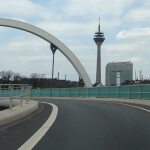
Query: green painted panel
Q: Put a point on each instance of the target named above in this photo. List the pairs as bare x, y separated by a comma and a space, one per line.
145, 89
54, 92
73, 92
112, 92
123, 89
1, 93
134, 95
113, 89
103, 92
123, 92
64, 92
134, 89
112, 95
45, 92
92, 92
6, 93
16, 92
145, 95
145, 92
123, 95
102, 95
83, 92
134, 92
35, 93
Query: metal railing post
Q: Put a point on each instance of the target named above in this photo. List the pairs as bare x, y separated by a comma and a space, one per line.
107, 92
139, 92
128, 92
21, 96
59, 92
11, 92
11, 97
68, 92
98, 94
4, 92
26, 94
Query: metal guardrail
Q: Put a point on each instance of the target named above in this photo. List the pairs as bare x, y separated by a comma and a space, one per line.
15, 91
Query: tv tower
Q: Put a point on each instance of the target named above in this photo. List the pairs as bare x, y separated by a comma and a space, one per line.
99, 39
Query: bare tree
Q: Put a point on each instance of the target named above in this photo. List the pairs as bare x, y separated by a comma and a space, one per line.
34, 75
17, 78
34, 80
6, 76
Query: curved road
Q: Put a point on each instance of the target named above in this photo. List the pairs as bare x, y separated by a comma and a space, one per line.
92, 125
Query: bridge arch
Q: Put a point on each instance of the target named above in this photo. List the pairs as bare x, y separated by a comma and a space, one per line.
53, 40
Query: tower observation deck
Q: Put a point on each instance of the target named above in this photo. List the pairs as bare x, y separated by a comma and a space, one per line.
99, 39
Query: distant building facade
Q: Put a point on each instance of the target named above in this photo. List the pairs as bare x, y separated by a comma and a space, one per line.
118, 72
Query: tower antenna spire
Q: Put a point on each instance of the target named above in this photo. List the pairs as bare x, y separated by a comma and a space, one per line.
99, 26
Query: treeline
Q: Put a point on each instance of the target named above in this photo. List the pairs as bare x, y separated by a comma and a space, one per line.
132, 82
9, 77
35, 80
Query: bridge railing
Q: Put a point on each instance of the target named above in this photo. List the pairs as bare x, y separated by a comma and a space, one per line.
129, 92
12, 92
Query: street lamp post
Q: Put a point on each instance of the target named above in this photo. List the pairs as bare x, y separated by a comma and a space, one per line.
53, 49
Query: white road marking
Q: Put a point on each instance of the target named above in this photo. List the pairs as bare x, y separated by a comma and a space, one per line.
30, 143
131, 106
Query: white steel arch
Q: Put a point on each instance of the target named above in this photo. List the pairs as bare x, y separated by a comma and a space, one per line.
51, 39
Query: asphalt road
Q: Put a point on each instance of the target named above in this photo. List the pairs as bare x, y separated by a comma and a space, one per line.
13, 135
84, 125
87, 125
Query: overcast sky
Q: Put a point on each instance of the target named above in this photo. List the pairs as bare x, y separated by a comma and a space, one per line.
125, 23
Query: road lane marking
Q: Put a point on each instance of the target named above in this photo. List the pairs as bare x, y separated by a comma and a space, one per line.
30, 143
131, 106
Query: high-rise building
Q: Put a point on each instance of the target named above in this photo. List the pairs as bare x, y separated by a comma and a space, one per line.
118, 72
99, 39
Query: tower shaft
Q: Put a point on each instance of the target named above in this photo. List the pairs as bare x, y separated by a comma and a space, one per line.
98, 68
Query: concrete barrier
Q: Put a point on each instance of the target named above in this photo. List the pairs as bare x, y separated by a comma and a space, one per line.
6, 102
7, 116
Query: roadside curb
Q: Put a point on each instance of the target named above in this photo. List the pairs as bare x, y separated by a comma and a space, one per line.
131, 101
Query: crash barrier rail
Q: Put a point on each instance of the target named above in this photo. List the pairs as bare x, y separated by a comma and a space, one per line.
15, 91
129, 92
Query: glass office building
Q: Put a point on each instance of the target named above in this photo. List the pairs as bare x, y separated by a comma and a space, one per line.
118, 72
